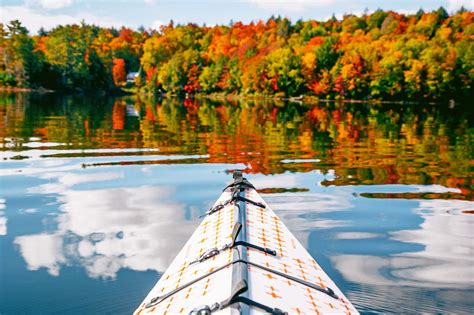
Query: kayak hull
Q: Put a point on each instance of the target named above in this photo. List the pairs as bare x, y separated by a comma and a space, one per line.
243, 259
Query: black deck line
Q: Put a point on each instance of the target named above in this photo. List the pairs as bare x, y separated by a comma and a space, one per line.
157, 300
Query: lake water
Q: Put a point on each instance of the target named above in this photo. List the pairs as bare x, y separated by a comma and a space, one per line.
97, 196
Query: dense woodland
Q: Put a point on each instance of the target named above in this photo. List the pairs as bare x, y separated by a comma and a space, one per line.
383, 55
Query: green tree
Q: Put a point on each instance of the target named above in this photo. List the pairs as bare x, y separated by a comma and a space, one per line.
326, 54
70, 51
283, 70
376, 19
210, 76
19, 56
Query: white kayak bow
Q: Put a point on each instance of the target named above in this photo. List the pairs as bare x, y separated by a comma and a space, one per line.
243, 259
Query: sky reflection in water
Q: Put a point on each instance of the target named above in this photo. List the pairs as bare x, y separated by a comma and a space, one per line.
95, 202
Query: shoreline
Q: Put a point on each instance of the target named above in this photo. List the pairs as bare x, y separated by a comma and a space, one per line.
307, 99
41, 90
25, 90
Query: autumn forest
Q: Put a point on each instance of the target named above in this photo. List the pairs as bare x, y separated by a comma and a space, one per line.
382, 55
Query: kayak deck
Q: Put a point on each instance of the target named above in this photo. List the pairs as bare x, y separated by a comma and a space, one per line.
243, 258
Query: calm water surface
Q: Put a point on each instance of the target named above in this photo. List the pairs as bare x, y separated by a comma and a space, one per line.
97, 196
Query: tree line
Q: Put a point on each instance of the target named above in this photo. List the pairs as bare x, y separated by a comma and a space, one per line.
383, 55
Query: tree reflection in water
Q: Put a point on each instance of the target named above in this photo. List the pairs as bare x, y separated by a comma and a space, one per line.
362, 143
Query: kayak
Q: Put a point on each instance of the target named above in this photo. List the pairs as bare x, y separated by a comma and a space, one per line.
243, 259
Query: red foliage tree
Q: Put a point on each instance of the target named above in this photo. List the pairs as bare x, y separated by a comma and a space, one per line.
118, 71
193, 80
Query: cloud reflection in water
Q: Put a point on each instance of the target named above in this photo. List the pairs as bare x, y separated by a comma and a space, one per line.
42, 251
105, 230
446, 262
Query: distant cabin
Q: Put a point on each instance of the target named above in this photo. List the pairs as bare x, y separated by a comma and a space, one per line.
131, 111
131, 76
